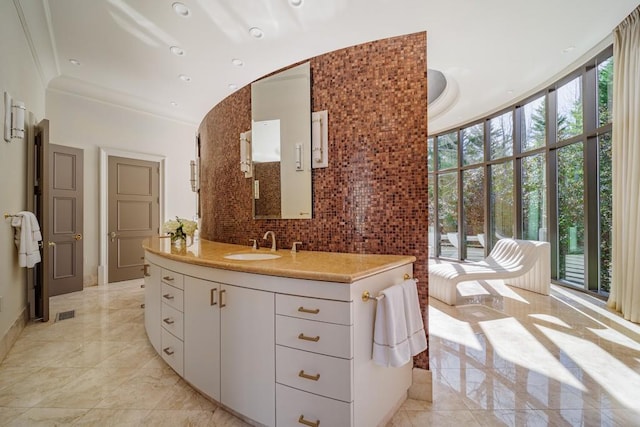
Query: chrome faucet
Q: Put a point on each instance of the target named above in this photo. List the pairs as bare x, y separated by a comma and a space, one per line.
273, 239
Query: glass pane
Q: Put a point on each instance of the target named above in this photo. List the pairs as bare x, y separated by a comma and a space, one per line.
448, 214
502, 201
534, 200
571, 213
430, 154
473, 206
570, 109
501, 135
448, 151
432, 218
473, 144
606, 215
533, 122
605, 92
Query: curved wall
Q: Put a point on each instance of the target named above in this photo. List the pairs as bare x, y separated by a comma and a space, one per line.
372, 199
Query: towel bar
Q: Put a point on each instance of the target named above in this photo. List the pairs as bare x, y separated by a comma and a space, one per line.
6, 215
366, 295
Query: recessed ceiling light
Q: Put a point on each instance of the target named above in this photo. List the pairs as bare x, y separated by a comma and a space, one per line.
568, 49
233, 87
295, 3
510, 92
237, 62
184, 78
181, 9
256, 32
174, 104
177, 51
74, 62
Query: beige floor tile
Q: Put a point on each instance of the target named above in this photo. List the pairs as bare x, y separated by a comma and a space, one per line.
563, 360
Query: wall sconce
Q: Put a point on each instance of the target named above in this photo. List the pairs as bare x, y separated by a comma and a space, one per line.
245, 154
195, 176
320, 139
13, 118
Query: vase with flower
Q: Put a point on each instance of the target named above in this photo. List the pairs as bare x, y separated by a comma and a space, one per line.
179, 229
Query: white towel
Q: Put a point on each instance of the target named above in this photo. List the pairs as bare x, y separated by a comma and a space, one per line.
415, 325
27, 236
390, 341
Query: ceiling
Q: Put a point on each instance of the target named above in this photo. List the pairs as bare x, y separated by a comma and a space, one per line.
492, 52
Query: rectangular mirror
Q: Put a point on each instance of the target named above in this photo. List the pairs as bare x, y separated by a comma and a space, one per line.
281, 144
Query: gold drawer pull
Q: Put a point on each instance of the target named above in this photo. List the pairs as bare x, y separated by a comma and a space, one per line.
169, 278
168, 350
222, 303
301, 420
167, 296
213, 298
315, 377
306, 338
307, 310
145, 270
168, 321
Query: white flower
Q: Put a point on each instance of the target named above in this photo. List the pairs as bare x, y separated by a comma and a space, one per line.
180, 226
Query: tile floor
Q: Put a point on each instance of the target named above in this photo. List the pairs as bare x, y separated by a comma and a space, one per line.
511, 358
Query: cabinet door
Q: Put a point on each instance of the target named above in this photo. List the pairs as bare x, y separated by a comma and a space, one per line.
248, 352
202, 335
152, 306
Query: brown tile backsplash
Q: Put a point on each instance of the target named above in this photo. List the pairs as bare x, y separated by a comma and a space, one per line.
373, 196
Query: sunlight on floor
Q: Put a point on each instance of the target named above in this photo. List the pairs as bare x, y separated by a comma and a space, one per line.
453, 329
513, 342
609, 372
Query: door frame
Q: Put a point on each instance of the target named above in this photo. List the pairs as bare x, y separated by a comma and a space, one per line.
105, 152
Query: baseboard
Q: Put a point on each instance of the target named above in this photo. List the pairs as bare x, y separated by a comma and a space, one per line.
13, 333
421, 385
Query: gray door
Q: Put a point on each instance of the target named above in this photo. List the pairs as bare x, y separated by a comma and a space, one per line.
133, 214
64, 216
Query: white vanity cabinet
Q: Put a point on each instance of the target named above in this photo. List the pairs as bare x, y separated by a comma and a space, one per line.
152, 304
278, 351
202, 335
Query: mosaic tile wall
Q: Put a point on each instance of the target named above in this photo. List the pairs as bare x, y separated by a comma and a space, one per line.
269, 200
373, 196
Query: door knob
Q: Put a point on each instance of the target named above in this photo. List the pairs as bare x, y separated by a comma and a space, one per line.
52, 243
113, 236
77, 236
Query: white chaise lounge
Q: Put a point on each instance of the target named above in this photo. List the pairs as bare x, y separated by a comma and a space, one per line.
524, 264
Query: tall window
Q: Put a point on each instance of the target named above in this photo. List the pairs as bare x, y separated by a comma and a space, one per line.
501, 136
571, 213
448, 214
473, 144
473, 207
502, 220
526, 172
533, 124
534, 198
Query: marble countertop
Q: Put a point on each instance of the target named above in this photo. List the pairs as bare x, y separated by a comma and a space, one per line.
325, 266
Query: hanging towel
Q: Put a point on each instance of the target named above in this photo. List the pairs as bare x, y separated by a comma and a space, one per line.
27, 236
415, 325
390, 340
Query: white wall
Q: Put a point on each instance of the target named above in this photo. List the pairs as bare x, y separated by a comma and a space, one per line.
19, 77
84, 123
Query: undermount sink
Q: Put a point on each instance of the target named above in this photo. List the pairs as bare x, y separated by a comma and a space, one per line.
251, 256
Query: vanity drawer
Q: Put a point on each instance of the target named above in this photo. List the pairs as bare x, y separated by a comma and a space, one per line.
291, 404
172, 320
319, 337
172, 352
173, 297
314, 309
324, 375
172, 278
